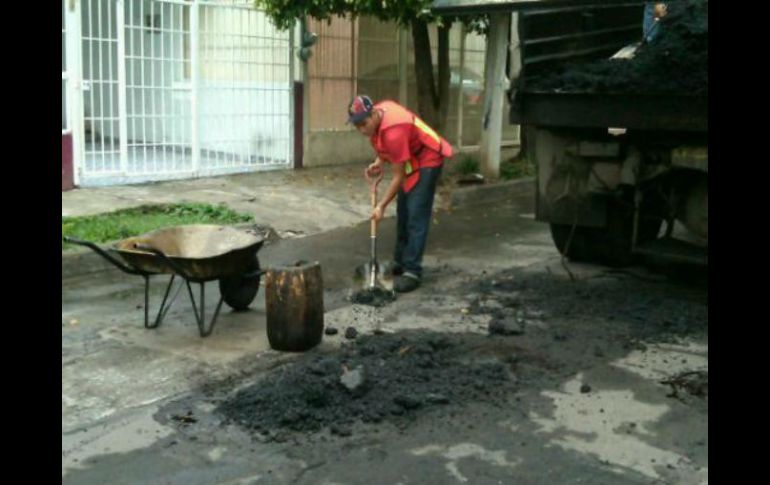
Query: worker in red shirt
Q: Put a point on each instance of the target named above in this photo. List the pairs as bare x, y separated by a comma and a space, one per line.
416, 154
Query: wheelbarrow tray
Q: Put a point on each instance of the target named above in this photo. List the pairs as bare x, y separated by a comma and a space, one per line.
203, 251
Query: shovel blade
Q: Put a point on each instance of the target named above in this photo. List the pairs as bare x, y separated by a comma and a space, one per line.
374, 275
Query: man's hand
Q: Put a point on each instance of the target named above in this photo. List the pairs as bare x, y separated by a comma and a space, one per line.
377, 213
375, 168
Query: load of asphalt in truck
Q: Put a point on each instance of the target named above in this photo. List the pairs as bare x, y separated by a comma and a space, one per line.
674, 62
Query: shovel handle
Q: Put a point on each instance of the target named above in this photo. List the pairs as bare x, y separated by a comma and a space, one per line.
373, 182
373, 230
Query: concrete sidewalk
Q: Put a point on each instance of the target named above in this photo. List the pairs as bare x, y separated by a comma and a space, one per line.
296, 202
291, 203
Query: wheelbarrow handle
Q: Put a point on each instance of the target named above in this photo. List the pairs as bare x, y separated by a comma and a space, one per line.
101, 252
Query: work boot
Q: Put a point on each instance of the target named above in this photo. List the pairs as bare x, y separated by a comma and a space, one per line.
392, 269
406, 283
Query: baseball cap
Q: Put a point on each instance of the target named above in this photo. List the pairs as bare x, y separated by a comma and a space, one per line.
359, 109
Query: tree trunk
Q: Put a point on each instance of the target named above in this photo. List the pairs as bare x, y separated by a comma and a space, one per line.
443, 77
432, 101
294, 306
423, 69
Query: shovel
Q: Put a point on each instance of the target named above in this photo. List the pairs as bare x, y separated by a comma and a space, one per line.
372, 271
375, 291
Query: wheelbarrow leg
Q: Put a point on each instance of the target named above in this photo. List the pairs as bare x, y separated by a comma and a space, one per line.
147, 301
164, 308
200, 316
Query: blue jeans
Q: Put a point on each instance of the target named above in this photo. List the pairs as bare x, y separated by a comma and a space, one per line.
414, 212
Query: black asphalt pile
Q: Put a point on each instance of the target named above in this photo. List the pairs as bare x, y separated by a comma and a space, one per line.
377, 378
375, 297
675, 62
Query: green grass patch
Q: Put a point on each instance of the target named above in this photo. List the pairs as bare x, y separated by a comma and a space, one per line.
467, 165
516, 169
125, 223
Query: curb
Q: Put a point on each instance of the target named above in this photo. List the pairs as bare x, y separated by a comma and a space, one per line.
82, 261
486, 193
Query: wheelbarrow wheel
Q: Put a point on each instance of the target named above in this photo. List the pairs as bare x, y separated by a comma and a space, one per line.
239, 291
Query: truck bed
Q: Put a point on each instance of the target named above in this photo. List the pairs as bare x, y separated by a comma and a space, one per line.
605, 110
568, 80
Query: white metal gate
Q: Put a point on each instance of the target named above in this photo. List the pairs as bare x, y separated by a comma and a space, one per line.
65, 117
178, 89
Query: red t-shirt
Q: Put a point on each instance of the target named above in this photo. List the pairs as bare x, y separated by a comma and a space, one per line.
401, 143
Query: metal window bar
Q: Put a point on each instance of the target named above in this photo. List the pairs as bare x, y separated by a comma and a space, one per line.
272, 96
182, 143
194, 37
100, 109
172, 119
143, 52
238, 78
112, 75
249, 94
98, 43
176, 140
163, 42
145, 123
229, 40
166, 129
185, 139
129, 93
64, 74
89, 160
169, 83
153, 94
120, 65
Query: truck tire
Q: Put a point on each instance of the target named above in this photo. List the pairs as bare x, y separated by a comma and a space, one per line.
610, 245
579, 248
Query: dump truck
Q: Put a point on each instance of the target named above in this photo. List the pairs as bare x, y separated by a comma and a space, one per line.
616, 126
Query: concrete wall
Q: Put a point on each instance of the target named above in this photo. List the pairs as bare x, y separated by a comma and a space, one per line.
254, 120
336, 148
377, 72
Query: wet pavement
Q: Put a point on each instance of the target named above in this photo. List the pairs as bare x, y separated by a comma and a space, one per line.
583, 397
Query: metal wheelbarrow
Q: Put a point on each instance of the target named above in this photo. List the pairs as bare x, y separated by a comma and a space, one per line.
198, 254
